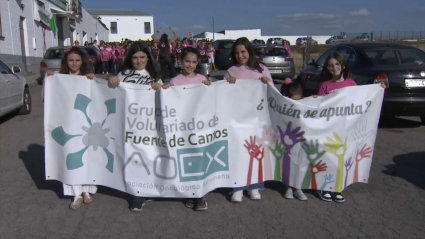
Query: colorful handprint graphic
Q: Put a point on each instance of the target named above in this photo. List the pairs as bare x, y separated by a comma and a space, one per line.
364, 152
278, 152
338, 148
328, 180
347, 165
289, 138
268, 138
313, 154
255, 152
319, 167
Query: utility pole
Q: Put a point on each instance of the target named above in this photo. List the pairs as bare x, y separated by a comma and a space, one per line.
213, 30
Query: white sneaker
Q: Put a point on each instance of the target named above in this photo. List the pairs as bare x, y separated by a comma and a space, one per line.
289, 193
237, 196
254, 194
300, 195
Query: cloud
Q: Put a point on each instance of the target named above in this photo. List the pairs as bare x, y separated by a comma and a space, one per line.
198, 27
361, 12
322, 23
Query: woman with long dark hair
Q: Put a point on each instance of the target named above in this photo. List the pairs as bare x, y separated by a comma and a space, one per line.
164, 55
246, 66
75, 62
138, 67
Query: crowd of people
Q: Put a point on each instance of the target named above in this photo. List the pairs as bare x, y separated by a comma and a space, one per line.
167, 52
139, 66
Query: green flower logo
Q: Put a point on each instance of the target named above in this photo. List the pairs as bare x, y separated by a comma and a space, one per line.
95, 135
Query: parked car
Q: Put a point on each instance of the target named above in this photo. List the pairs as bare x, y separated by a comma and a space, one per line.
53, 56
303, 41
276, 59
334, 39
401, 68
258, 42
277, 41
14, 91
223, 48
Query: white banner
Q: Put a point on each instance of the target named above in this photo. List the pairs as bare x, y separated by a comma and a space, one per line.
188, 140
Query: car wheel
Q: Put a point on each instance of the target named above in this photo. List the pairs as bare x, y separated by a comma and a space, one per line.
26, 108
423, 120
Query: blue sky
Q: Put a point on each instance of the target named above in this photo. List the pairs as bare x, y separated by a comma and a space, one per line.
278, 17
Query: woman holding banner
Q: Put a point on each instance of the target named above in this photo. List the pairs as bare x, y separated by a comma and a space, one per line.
246, 66
75, 62
139, 67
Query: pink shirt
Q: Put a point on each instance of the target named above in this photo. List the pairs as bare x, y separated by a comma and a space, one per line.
244, 73
105, 55
331, 86
182, 80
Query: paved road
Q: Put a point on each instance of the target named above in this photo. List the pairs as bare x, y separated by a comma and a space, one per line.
392, 205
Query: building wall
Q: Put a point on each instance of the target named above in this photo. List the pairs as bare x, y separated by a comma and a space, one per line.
10, 46
131, 27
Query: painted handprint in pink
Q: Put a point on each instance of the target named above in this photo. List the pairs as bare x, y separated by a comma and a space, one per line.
255, 152
361, 154
268, 139
289, 138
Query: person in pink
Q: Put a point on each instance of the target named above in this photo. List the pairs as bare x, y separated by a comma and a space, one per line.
246, 67
191, 68
105, 55
185, 43
335, 74
211, 55
286, 45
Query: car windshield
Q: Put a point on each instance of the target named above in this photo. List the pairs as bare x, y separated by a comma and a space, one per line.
271, 51
54, 54
225, 45
394, 57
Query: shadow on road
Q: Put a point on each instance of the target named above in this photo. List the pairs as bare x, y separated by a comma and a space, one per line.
7, 117
409, 167
391, 123
33, 160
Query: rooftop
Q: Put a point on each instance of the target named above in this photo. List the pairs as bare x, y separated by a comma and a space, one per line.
115, 12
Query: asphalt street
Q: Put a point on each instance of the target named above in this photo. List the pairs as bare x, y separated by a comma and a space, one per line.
392, 205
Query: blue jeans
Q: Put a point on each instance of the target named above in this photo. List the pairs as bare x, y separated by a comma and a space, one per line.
250, 187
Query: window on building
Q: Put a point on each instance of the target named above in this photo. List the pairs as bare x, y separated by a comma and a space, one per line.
147, 27
114, 29
1, 29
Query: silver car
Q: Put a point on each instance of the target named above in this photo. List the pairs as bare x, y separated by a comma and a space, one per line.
14, 91
53, 57
277, 59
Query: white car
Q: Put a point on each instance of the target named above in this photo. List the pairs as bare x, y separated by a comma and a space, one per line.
14, 91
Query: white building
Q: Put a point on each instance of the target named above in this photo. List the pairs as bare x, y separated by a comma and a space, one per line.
252, 34
130, 24
29, 27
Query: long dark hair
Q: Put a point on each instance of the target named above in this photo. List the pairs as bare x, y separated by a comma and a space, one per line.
252, 61
84, 69
127, 64
192, 50
164, 39
345, 71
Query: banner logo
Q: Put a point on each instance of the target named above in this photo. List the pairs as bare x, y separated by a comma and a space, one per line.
95, 135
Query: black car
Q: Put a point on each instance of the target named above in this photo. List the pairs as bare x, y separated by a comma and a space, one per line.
401, 68
223, 48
